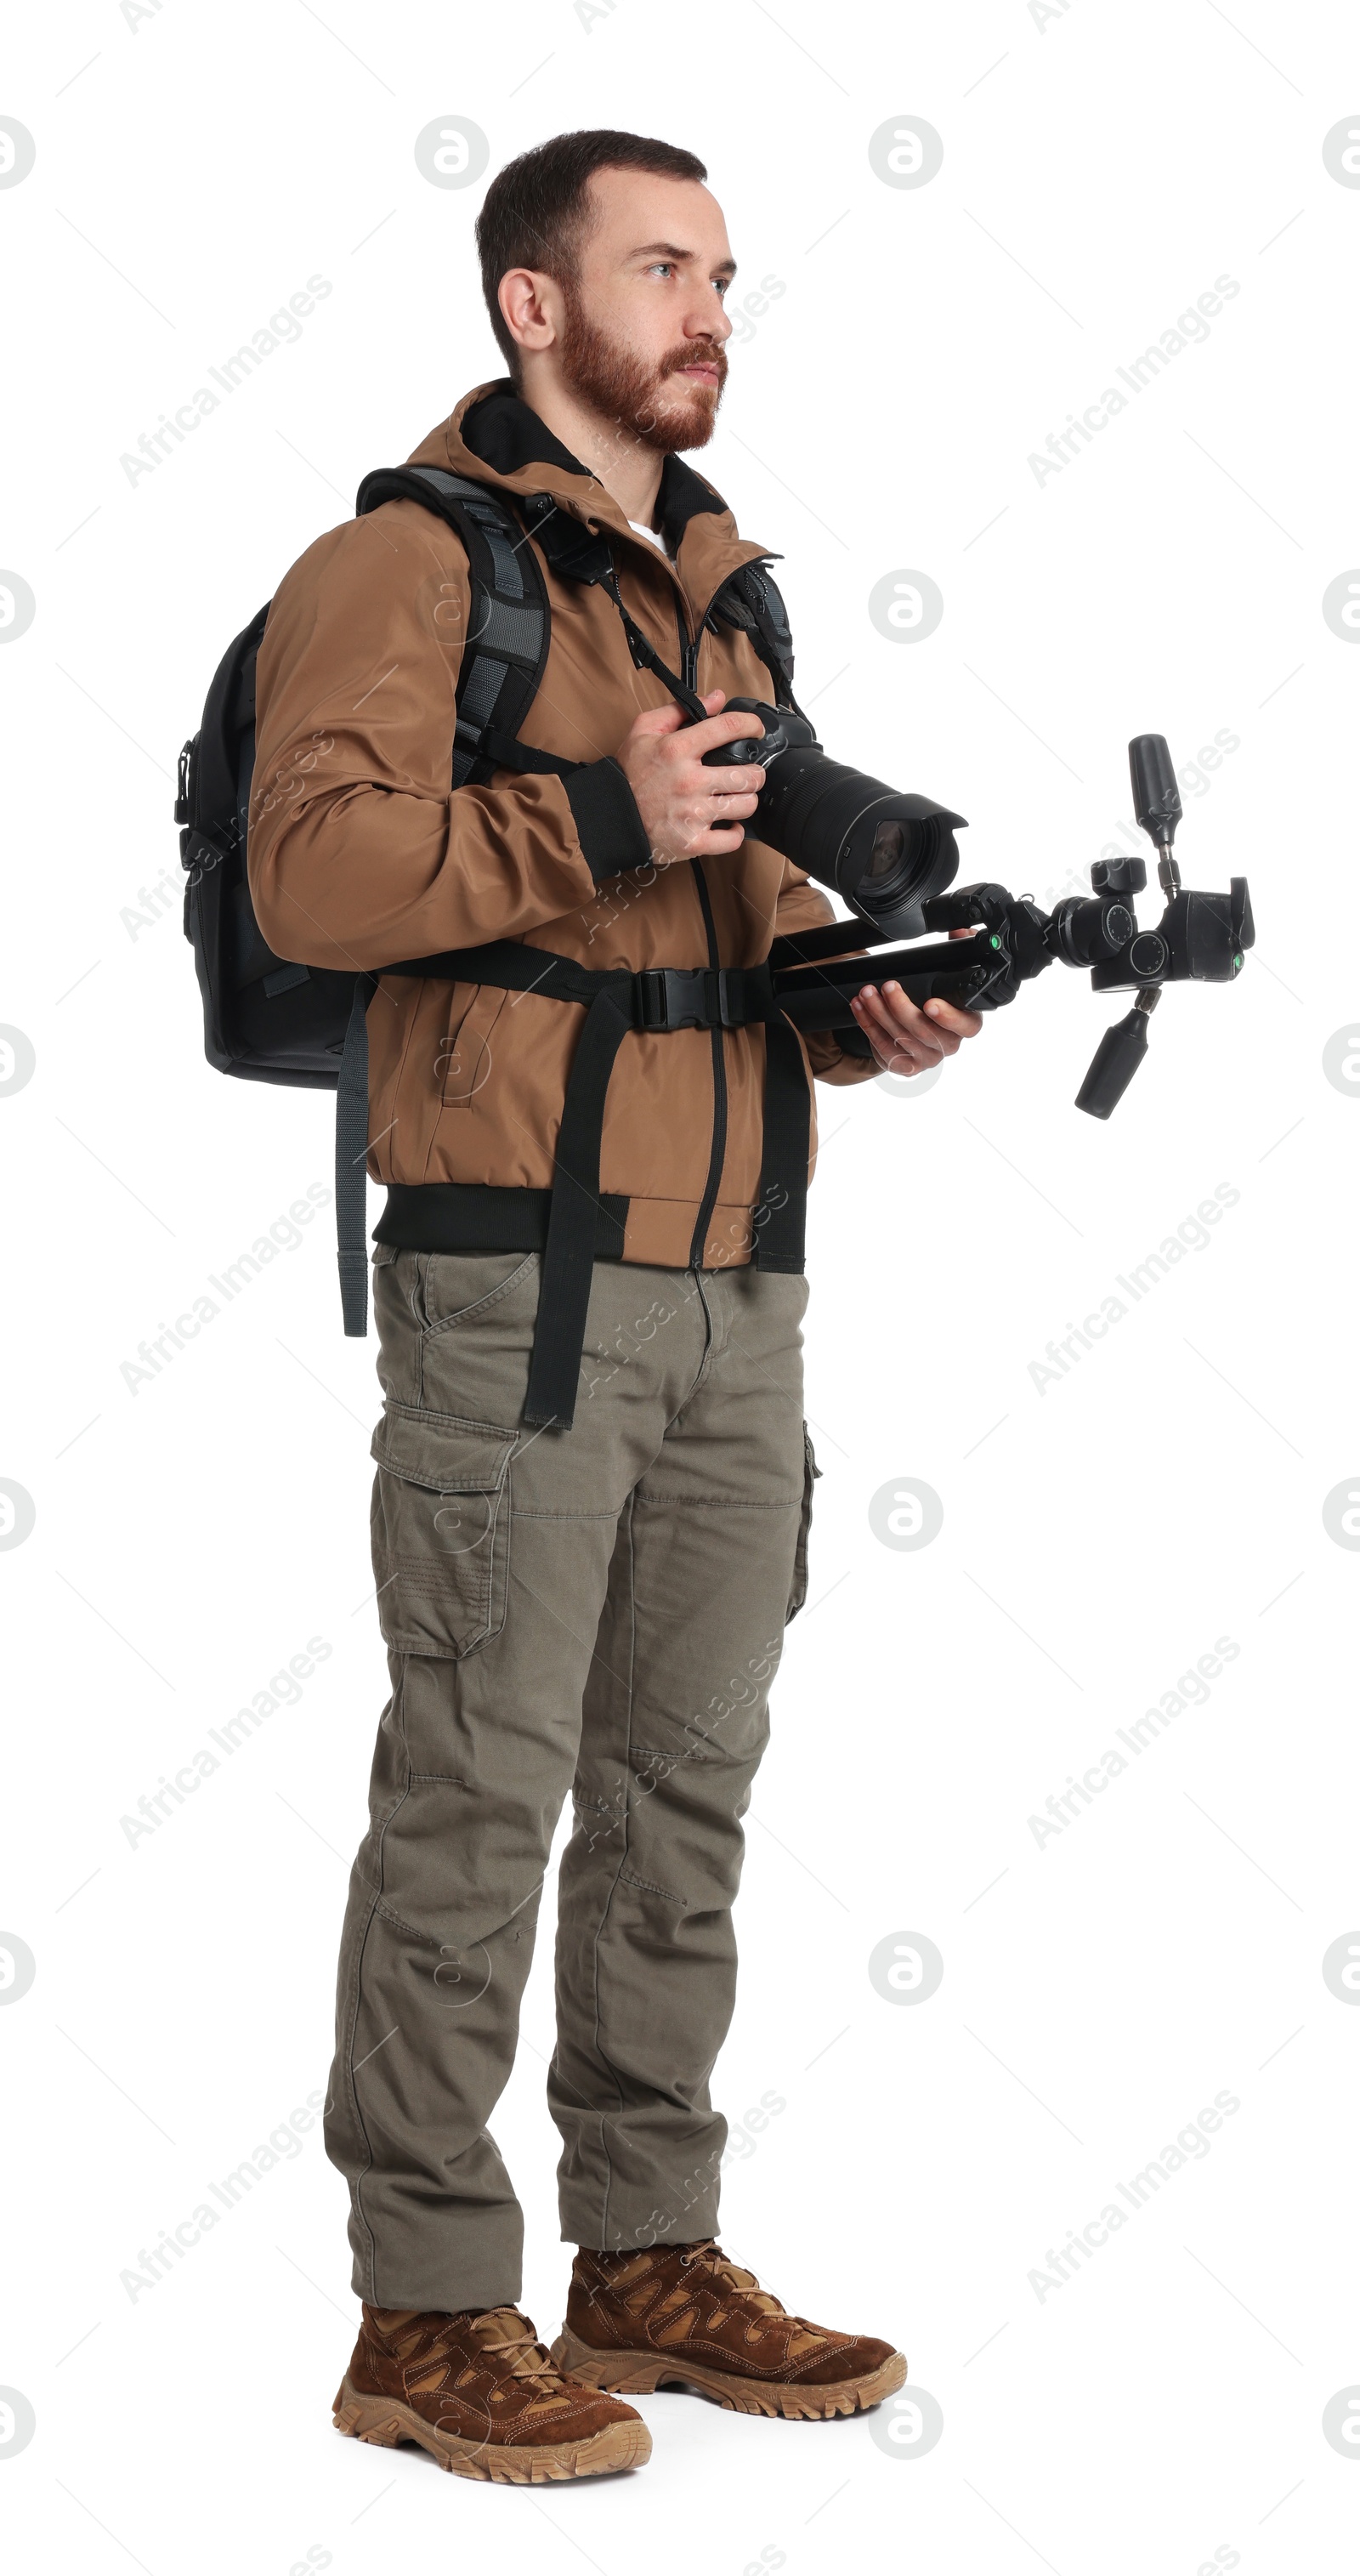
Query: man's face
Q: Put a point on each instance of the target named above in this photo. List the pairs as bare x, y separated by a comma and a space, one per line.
642, 327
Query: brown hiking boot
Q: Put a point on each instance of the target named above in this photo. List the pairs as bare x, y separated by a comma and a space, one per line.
483, 2396
684, 2315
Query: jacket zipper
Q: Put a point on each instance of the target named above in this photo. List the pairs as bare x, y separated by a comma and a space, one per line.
689, 672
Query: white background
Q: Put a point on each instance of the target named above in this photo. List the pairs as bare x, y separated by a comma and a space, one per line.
1100, 171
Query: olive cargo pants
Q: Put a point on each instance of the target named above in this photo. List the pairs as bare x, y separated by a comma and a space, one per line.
600, 1611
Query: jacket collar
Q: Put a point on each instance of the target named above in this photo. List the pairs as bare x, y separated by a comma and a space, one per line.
495, 437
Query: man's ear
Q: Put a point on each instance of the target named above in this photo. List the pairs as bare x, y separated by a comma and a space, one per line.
525, 296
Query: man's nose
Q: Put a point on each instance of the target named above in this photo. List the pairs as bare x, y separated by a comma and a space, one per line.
709, 322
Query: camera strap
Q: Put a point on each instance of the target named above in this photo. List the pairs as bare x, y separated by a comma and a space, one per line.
646, 657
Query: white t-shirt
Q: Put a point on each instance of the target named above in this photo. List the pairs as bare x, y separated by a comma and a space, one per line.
651, 536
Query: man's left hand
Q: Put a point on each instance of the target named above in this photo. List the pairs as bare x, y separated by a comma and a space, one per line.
907, 1038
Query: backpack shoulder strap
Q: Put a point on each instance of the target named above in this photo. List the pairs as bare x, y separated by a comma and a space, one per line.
509, 626
751, 599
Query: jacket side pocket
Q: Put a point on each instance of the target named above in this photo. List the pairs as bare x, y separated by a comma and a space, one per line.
441, 1530
464, 1059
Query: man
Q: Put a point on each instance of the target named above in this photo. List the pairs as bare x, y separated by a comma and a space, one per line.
596, 1608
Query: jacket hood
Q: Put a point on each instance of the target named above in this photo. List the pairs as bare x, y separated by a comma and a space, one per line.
494, 437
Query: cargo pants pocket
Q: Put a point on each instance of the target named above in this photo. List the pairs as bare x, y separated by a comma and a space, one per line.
441, 1530
799, 1588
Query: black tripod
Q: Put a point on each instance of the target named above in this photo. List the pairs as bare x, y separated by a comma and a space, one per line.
1200, 938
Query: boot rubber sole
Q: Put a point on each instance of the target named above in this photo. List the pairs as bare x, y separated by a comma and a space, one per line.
387, 2421
637, 2374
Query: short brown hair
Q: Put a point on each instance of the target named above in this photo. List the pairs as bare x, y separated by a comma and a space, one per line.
535, 211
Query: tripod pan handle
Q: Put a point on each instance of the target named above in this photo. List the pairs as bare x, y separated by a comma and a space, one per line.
1114, 1064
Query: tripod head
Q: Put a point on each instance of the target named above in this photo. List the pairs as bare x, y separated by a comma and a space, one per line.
1201, 938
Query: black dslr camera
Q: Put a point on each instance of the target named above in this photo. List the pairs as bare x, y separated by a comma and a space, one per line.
884, 852
893, 857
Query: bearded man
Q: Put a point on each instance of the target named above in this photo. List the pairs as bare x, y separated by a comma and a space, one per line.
594, 1479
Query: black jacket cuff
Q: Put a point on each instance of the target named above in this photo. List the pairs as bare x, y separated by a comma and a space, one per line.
609, 827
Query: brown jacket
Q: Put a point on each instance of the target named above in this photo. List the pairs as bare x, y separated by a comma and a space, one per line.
360, 854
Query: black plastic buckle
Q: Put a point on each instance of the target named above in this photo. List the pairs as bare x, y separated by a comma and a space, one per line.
653, 998
182, 785
690, 997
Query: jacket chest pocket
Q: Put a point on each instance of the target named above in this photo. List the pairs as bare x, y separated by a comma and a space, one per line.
441, 1530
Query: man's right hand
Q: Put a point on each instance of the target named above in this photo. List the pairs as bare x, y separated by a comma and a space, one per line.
689, 811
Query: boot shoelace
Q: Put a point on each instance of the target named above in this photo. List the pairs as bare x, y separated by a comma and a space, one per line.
521, 2354
732, 2274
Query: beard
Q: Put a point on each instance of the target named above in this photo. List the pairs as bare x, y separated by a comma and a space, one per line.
650, 404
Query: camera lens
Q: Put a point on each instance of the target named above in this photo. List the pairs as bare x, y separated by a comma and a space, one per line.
886, 854
882, 851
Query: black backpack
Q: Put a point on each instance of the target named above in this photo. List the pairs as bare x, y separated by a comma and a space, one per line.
268, 1019
265, 1018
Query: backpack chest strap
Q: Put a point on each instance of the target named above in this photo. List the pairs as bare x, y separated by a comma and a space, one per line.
652, 997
